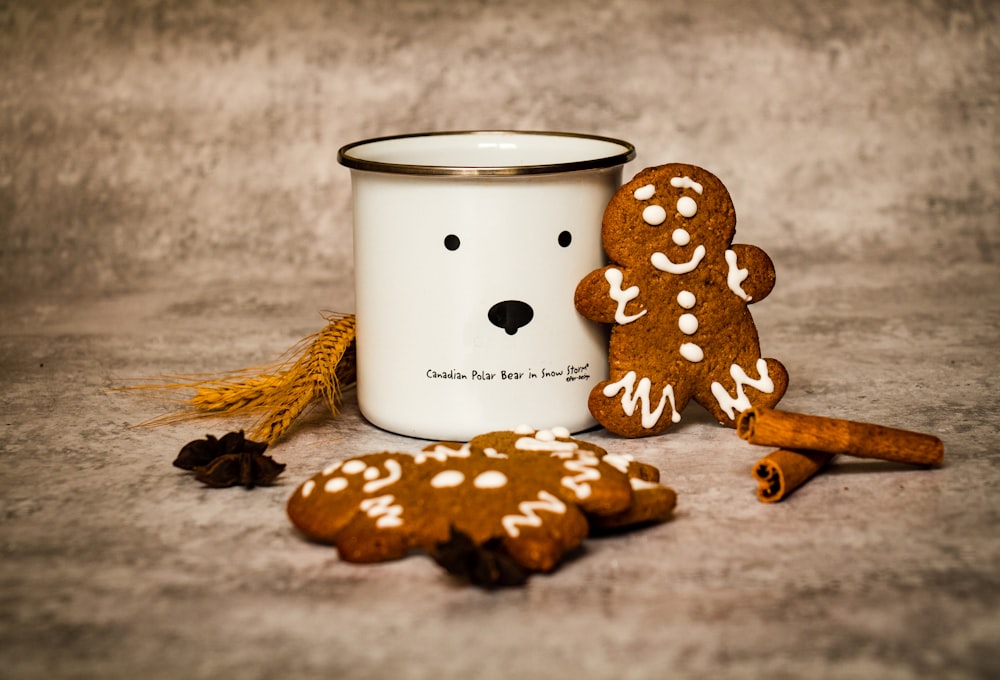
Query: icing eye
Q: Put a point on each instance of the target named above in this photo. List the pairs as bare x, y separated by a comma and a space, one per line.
335, 485
565, 238
686, 206
353, 467
452, 242
654, 215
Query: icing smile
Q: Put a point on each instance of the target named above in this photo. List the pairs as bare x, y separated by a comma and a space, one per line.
664, 263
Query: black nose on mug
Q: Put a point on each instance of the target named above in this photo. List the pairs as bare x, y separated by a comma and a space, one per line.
511, 315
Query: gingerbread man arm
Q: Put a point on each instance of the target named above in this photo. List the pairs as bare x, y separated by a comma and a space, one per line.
751, 272
602, 296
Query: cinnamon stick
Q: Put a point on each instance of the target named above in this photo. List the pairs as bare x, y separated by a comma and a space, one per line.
831, 435
783, 471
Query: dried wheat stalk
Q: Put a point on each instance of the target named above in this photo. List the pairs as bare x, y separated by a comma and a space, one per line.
278, 394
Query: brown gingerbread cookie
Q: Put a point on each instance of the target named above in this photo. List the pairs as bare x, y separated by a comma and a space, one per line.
677, 292
530, 492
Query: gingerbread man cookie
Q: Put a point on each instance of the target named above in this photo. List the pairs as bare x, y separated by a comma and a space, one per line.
677, 293
531, 491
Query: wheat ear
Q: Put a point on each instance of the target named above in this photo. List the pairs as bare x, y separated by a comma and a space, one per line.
314, 375
320, 365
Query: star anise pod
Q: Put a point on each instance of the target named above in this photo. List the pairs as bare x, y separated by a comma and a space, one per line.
487, 565
229, 461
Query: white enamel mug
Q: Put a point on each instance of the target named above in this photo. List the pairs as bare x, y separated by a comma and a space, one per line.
468, 248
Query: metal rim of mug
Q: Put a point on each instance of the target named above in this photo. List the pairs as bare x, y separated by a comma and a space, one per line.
355, 163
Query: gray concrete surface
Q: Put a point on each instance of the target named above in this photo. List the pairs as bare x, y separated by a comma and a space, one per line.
170, 203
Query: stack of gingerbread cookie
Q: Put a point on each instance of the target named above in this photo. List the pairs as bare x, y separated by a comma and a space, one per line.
511, 502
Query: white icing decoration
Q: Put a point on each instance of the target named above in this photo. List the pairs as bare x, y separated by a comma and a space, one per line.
381, 507
491, 479
447, 479
634, 395
736, 276
353, 467
561, 432
584, 465
437, 454
644, 193
663, 263
686, 183
654, 215
619, 461
640, 484
741, 402
524, 429
546, 502
692, 352
688, 324
371, 473
442, 453
395, 473
463, 451
622, 297
681, 236
687, 207
307, 488
543, 441
335, 484
686, 299
490, 452
331, 468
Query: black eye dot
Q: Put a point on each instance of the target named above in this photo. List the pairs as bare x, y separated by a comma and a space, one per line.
452, 242
565, 238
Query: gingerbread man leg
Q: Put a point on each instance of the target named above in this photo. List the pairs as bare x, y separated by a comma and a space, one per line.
637, 405
761, 383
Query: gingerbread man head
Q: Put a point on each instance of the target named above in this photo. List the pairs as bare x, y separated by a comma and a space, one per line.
668, 218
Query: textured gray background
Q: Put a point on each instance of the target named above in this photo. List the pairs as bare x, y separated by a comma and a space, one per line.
170, 202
